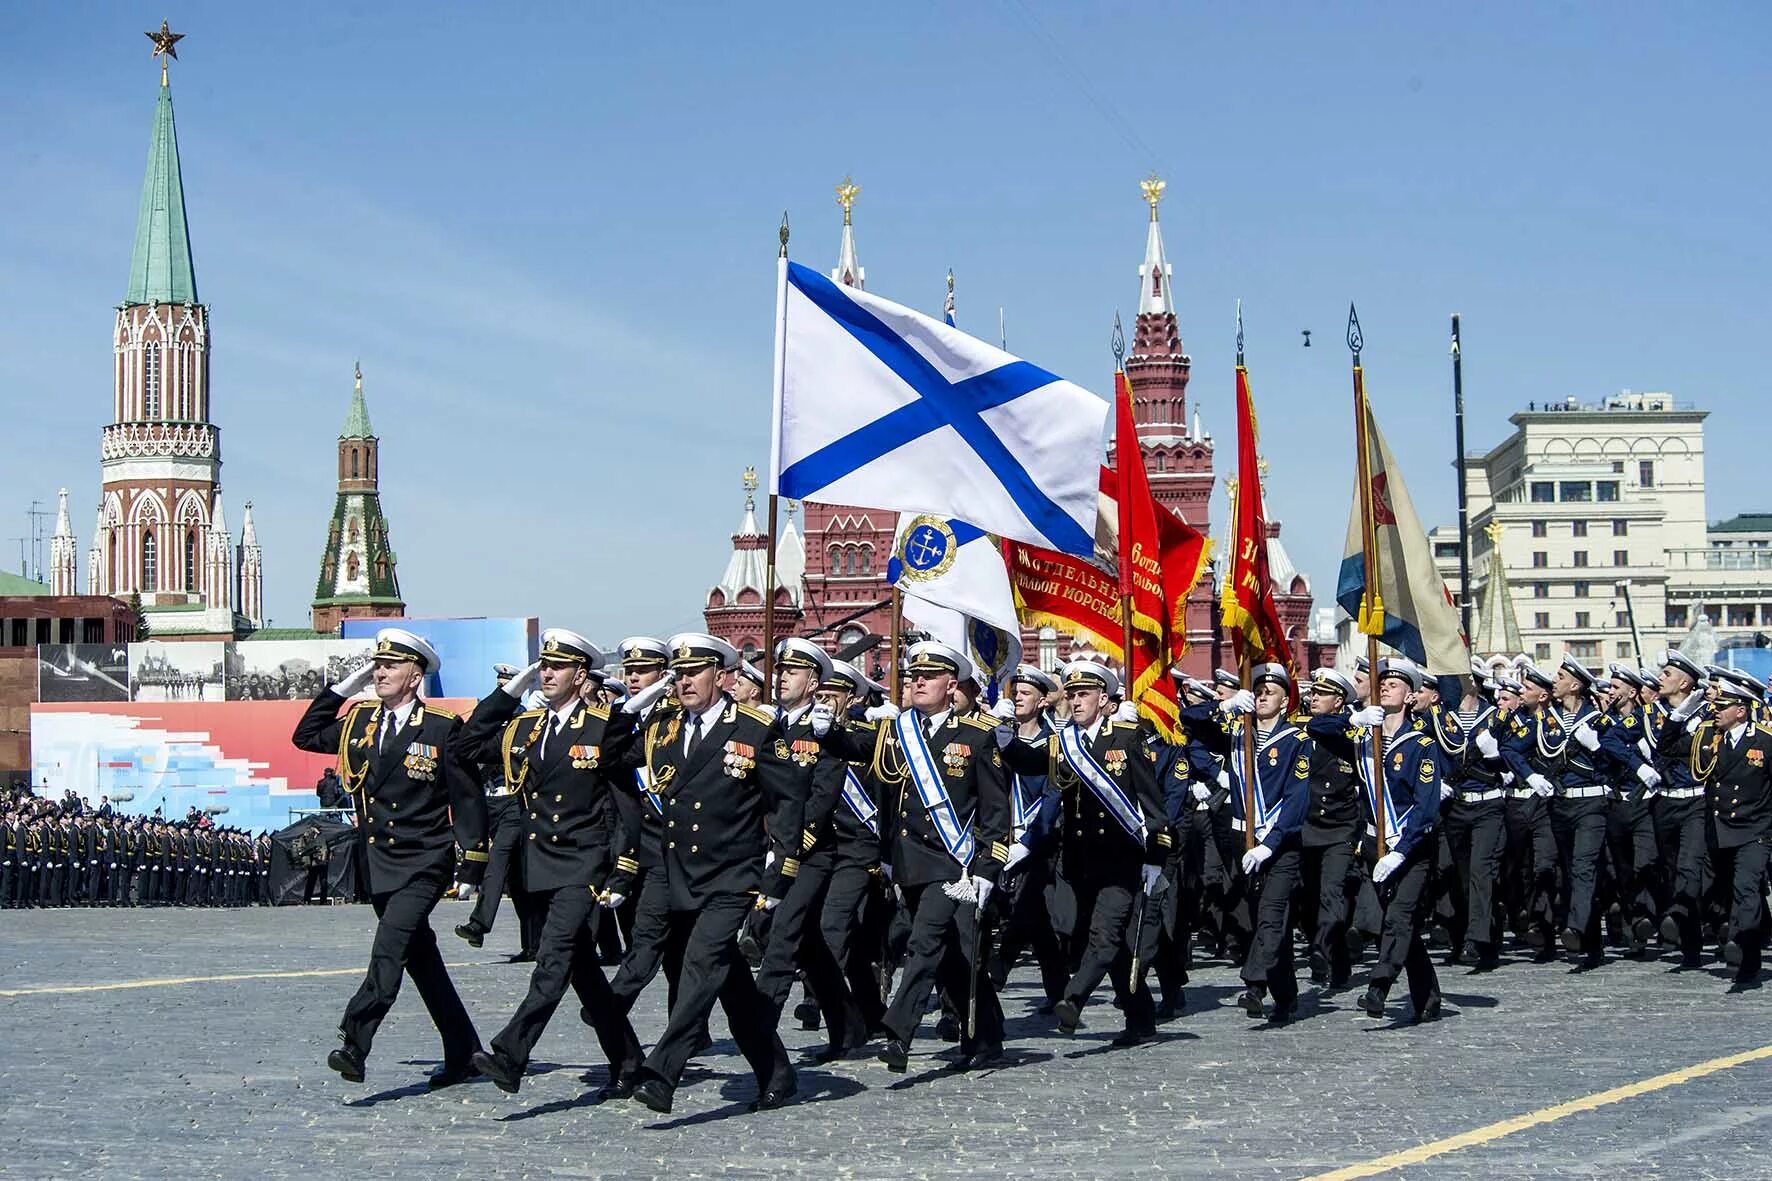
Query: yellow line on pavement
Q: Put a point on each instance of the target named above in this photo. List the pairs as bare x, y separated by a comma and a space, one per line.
170, 981
1547, 1115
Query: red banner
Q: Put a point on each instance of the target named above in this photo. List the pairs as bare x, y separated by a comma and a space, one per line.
1250, 616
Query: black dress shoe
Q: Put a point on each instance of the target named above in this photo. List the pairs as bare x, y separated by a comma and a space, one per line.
704, 1041
1135, 1037
896, 1055
1372, 1004
522, 957
1249, 1000
501, 1070
1641, 930
1319, 967
620, 1086
654, 1094
777, 1096
472, 932
1534, 937
348, 1061
835, 1053
1732, 954
1171, 1007
947, 1029
985, 1057
1282, 1014
1046, 1007
1745, 983
1069, 1014
1430, 1009
1670, 930
1571, 939
451, 1073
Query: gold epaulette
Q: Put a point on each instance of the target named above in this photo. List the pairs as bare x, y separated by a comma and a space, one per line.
988, 725
427, 708
600, 712
528, 713
755, 714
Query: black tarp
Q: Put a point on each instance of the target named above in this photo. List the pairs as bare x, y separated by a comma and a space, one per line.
288, 878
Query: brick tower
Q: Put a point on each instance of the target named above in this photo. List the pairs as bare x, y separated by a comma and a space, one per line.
734, 609
357, 576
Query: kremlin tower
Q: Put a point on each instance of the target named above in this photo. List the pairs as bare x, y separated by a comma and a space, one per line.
357, 577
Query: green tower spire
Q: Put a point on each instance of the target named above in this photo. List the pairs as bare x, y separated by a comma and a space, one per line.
357, 417
160, 268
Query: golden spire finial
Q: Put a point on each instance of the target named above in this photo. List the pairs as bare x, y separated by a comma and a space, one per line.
750, 486
846, 194
1493, 529
1153, 192
359, 374
165, 46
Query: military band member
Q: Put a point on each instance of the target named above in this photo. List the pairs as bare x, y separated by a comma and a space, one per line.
945, 821
1114, 837
560, 757
719, 776
419, 807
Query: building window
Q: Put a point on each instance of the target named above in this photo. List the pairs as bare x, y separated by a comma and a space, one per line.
1623, 650
1608, 490
151, 380
1580, 589
92, 631
1646, 473
1741, 616
355, 460
1540, 529
1543, 492
1578, 559
1621, 528
1541, 652
1540, 559
1575, 491
150, 562
190, 560
1541, 590
867, 559
1714, 614
1621, 557
1578, 528
1622, 620
1585, 650
1583, 620
1676, 615
1541, 620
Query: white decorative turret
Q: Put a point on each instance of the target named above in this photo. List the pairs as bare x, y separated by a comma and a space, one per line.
252, 579
98, 580
790, 556
62, 548
1154, 272
848, 271
218, 580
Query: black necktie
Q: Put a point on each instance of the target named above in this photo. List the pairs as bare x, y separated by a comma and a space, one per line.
694, 737
553, 729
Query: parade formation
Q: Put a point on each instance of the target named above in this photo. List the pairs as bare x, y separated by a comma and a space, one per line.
899, 858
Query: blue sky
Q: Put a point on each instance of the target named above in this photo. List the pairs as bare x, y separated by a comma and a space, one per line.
549, 234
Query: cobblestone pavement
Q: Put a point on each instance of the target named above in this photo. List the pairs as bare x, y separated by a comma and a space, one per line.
226, 1078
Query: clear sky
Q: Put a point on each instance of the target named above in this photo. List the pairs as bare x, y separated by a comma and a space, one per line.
548, 231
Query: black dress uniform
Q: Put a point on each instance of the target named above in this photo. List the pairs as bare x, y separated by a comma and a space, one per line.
1475, 821
1632, 853
857, 903
568, 851
1681, 830
417, 805
718, 773
1736, 769
1331, 829
1032, 888
1534, 745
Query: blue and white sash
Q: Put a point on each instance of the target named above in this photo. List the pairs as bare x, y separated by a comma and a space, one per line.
857, 798
955, 836
1018, 809
1393, 819
646, 792
1095, 777
1264, 815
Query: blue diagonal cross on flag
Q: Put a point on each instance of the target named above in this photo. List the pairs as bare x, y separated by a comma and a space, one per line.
882, 406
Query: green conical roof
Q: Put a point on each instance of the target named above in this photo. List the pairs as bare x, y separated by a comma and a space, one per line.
357, 417
160, 267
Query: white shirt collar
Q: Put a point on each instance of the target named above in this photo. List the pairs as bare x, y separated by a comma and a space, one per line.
401, 713
710, 715
935, 722
1736, 731
1092, 731
792, 717
565, 712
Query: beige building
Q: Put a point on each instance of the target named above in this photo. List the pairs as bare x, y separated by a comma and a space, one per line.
1600, 519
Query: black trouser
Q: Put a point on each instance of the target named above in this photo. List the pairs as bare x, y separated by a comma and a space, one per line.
1108, 910
1400, 949
852, 923
794, 942
1030, 922
706, 942
1172, 960
568, 956
1635, 857
1580, 825
1323, 901
647, 945
504, 816
1529, 867
1477, 834
316, 880
1269, 962
939, 954
1741, 870
405, 943
1685, 860
1224, 893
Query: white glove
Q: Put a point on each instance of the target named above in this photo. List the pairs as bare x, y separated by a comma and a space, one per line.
821, 719
1254, 858
610, 901
1585, 735
768, 860
1224, 778
1445, 791
1649, 775
1693, 724
356, 682
1004, 710
1004, 734
645, 699
1200, 792
1370, 715
1387, 865
1644, 748
1018, 853
1687, 707
1128, 712
1540, 784
1239, 703
522, 682
766, 903
1153, 880
962, 890
1486, 744
982, 889
884, 712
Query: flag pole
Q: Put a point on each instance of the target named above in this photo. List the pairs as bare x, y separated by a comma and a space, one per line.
769, 558
1250, 767
1371, 620
1118, 345
895, 677
1464, 526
